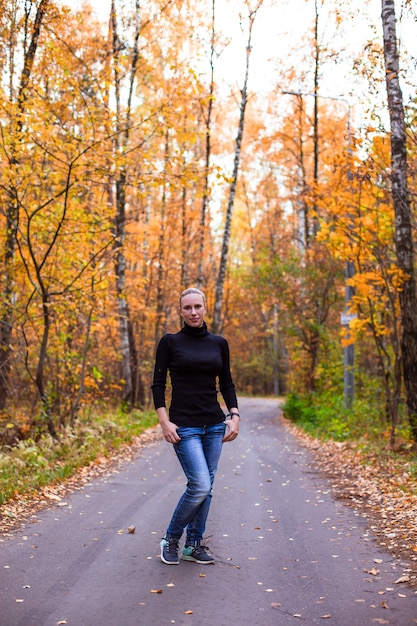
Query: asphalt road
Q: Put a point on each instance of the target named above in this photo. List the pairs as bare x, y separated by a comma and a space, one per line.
287, 552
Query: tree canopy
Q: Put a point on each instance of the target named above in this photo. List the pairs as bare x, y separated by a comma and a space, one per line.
151, 151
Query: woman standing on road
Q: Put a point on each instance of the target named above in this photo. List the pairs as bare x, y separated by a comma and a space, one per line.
195, 359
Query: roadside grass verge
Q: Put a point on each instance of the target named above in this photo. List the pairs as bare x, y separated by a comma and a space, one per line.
29, 466
362, 429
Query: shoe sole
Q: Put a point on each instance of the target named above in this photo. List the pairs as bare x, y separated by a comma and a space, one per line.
169, 562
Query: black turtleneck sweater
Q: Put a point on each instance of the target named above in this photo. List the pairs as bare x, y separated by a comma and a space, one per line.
195, 359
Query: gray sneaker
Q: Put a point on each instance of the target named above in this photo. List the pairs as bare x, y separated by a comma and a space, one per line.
197, 553
169, 550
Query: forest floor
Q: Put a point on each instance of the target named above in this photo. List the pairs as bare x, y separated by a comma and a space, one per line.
377, 487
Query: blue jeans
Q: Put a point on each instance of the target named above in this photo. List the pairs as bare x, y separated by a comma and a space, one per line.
198, 452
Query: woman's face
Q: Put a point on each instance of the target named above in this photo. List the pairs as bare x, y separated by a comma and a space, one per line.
193, 309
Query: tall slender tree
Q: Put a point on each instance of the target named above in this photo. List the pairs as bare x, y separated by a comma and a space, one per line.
129, 357
221, 277
402, 207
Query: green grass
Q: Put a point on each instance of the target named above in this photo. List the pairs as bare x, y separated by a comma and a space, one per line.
324, 417
30, 465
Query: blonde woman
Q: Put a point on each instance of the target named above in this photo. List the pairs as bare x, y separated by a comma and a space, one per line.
196, 360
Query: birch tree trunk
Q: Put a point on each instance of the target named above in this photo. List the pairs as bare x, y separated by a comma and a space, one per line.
12, 210
217, 325
402, 209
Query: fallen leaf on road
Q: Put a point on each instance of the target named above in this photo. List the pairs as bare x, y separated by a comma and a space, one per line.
156, 590
131, 530
372, 571
384, 605
275, 604
402, 579
19, 600
62, 621
170, 585
327, 616
202, 575
188, 612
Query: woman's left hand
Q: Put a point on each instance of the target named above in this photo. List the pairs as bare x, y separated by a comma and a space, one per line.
232, 429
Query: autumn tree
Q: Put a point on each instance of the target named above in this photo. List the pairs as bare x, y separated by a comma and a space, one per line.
18, 91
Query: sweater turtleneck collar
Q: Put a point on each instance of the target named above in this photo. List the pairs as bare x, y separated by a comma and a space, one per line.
201, 331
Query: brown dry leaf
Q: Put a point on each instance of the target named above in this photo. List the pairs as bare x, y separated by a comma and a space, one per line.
202, 575
156, 590
373, 571
327, 616
275, 604
131, 530
384, 605
62, 621
52, 496
188, 612
402, 579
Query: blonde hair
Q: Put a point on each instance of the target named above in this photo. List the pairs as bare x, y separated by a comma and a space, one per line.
198, 292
